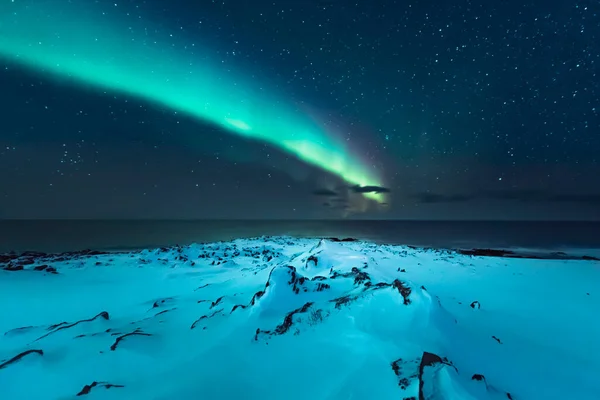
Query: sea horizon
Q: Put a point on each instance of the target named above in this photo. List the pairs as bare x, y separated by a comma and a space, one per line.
56, 235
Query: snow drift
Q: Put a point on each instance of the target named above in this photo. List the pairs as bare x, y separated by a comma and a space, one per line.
275, 318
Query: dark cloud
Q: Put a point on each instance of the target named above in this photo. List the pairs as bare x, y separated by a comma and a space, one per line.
576, 198
514, 195
441, 198
541, 196
324, 192
519, 195
369, 189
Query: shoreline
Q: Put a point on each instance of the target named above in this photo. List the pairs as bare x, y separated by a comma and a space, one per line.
12, 259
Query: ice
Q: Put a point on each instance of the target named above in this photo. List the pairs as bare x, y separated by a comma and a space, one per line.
285, 318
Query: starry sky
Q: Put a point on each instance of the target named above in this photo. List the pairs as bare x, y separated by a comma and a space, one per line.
300, 109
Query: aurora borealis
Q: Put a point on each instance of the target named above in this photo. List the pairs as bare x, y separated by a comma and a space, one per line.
285, 109
77, 41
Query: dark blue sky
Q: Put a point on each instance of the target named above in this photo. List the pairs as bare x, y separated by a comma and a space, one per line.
472, 109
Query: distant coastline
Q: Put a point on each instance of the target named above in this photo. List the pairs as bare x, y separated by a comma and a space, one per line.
74, 235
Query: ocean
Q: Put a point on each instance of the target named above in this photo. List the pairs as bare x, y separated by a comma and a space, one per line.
72, 235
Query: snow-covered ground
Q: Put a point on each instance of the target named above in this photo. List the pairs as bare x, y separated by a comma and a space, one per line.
284, 318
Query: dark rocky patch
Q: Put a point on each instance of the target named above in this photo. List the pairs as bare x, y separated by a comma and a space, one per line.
287, 323
401, 270
13, 268
429, 360
478, 377
165, 311
45, 267
334, 239
255, 297
216, 302
88, 388
314, 259
65, 325
476, 305
205, 317
6, 258
51, 327
511, 254
202, 287
19, 330
486, 253
359, 276
404, 379
404, 290
118, 340
590, 258
18, 357
161, 302
340, 301
496, 339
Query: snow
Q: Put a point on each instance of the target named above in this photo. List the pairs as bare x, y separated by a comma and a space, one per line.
279, 317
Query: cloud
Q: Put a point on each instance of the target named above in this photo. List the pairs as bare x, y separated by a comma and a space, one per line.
369, 189
577, 198
519, 195
324, 192
515, 195
430, 198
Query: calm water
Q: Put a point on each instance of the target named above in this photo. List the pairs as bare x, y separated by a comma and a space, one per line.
65, 235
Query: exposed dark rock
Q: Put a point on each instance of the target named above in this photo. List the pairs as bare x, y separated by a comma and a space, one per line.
496, 339
429, 360
205, 317
216, 302
590, 258
118, 340
256, 296
19, 330
340, 301
202, 287
334, 239
359, 276
165, 311
404, 290
404, 378
487, 253
161, 302
313, 259
64, 325
12, 268
476, 305
6, 258
287, 323
401, 270
511, 254
18, 357
478, 377
88, 388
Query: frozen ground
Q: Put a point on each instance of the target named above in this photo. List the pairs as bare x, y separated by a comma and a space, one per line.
284, 318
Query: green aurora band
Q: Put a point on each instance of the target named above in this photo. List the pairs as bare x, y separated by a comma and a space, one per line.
115, 52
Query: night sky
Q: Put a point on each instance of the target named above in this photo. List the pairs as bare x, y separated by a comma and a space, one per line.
300, 109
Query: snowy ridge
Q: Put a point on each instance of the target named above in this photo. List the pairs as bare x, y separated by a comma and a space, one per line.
274, 318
